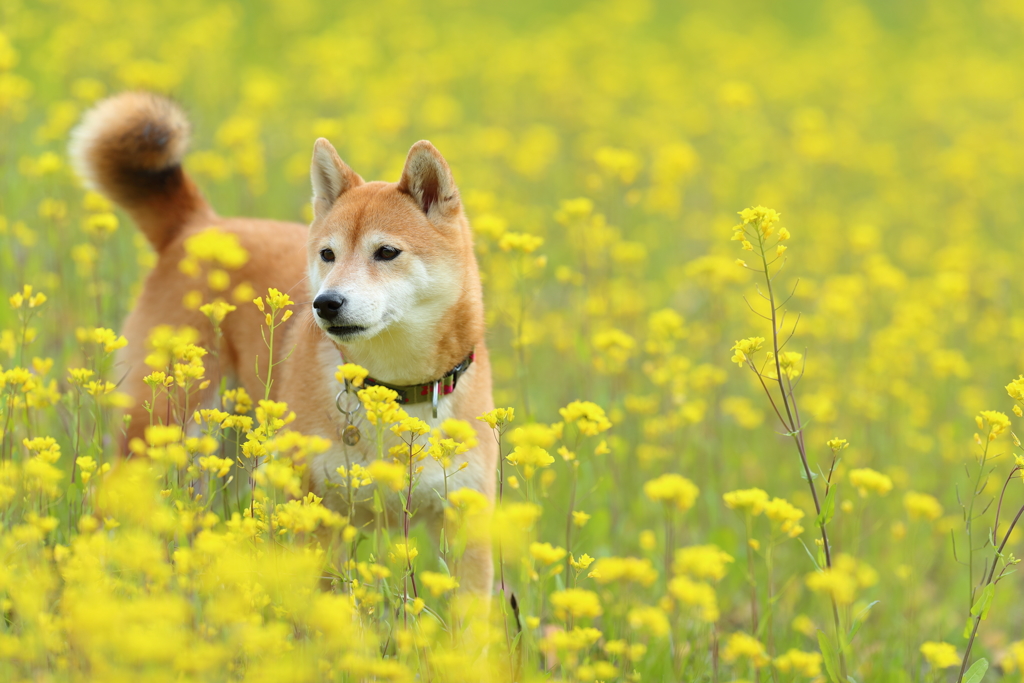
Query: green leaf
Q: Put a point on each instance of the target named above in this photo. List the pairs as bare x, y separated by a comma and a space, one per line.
858, 621
828, 510
984, 602
817, 563
977, 671
968, 626
829, 655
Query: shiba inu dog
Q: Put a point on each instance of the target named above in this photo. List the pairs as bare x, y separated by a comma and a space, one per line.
386, 274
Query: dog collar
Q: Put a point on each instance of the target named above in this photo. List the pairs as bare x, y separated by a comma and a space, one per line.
428, 391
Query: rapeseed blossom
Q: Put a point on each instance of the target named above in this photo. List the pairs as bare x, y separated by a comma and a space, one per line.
786, 515
626, 569
702, 562
745, 647
751, 501
696, 594
804, 663
866, 479
672, 490
940, 655
922, 506
576, 603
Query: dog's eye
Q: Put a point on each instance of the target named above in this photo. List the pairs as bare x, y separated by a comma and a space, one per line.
327, 255
386, 254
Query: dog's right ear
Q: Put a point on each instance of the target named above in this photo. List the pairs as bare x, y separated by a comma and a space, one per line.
330, 177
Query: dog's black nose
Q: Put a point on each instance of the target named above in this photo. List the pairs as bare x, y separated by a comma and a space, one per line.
327, 306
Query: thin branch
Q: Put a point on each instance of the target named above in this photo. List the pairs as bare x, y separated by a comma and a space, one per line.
792, 332
995, 526
762, 315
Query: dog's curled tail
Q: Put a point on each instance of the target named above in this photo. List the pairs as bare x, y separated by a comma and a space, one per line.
129, 147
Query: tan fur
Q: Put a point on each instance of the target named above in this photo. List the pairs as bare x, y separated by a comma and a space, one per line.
423, 311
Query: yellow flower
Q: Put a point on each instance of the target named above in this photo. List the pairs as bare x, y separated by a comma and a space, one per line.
410, 425
461, 431
1013, 660
243, 403
86, 465
80, 376
45, 447
580, 563
499, 418
467, 505
25, 296
742, 646
162, 435
751, 501
1016, 389
804, 624
588, 417
922, 506
99, 388
651, 619
940, 655
517, 241
100, 224
213, 245
530, 458
571, 210
438, 584
790, 362
837, 444
744, 348
97, 203
380, 404
619, 163
996, 422
101, 336
626, 569
696, 594
42, 365
782, 511
804, 663
867, 479
839, 585
535, 434
702, 562
402, 553
352, 373
220, 466
168, 344
580, 518
545, 553
576, 603
389, 474
672, 489
615, 348
217, 311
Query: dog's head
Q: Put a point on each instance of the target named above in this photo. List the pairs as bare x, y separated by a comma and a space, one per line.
385, 256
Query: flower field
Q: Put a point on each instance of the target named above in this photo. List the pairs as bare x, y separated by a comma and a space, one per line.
755, 313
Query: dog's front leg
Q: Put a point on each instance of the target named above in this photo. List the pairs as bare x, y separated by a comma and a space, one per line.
474, 569
476, 566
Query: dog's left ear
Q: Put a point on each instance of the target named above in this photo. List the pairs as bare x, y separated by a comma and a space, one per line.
428, 180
